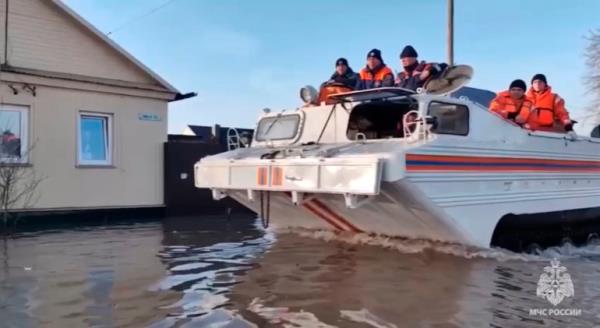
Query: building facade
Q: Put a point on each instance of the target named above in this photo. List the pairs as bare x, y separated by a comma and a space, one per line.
79, 111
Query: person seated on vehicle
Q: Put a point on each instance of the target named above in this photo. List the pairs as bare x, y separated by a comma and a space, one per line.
414, 74
548, 112
376, 74
512, 104
343, 75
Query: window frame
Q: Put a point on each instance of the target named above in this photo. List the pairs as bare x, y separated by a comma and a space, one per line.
24, 134
109, 140
453, 104
274, 117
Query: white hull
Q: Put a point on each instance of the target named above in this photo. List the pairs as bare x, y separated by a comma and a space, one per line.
402, 211
452, 188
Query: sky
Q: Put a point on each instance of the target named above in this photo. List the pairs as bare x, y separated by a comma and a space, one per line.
242, 56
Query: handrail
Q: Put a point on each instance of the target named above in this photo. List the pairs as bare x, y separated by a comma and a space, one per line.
233, 139
406, 125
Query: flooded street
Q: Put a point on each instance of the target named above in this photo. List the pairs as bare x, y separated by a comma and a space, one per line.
219, 272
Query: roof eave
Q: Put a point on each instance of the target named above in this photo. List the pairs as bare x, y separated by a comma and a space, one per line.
114, 45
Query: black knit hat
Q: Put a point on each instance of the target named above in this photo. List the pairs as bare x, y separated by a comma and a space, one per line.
518, 84
375, 53
341, 61
540, 77
409, 51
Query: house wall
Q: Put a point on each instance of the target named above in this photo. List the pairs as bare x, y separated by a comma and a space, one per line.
42, 37
137, 176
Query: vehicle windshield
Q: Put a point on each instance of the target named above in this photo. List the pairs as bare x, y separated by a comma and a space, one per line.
279, 127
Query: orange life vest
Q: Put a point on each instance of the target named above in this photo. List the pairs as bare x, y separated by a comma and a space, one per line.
329, 90
507, 107
373, 80
548, 108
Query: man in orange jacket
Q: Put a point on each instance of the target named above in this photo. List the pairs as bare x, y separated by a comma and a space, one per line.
548, 113
376, 74
512, 104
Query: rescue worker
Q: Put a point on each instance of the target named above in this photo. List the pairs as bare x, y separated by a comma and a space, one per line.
512, 104
376, 74
343, 74
548, 113
414, 74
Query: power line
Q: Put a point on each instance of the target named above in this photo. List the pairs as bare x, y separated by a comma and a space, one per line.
150, 12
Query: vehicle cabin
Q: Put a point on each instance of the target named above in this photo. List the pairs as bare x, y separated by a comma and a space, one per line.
388, 114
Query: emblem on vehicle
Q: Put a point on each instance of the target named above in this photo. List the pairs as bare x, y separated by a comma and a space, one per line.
555, 283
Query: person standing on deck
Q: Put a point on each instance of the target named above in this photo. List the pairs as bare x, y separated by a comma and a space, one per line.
549, 112
376, 74
512, 104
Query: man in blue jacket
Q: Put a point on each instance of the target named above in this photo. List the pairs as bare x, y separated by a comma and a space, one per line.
343, 74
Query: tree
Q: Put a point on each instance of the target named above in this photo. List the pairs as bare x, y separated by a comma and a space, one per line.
592, 78
18, 184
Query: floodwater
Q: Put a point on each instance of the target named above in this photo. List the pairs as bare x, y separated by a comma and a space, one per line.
229, 272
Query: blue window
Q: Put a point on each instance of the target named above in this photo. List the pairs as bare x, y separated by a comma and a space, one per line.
95, 139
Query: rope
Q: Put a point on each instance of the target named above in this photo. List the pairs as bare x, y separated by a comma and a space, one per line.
265, 211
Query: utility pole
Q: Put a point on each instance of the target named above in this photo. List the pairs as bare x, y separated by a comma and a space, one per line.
450, 32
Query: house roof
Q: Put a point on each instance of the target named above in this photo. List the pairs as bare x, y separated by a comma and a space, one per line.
62, 6
201, 131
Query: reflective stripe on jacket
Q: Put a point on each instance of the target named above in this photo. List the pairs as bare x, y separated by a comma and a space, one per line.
380, 77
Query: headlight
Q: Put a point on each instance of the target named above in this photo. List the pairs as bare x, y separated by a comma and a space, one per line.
309, 95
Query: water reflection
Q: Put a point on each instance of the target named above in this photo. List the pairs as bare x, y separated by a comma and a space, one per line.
219, 272
337, 281
82, 277
204, 262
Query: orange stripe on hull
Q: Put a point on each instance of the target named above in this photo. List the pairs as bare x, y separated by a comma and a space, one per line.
322, 216
477, 159
262, 176
496, 169
336, 216
276, 176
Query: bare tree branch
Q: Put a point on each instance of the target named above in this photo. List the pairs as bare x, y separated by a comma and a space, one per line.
592, 78
18, 184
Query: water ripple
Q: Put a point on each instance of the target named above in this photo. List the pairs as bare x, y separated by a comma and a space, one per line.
217, 272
